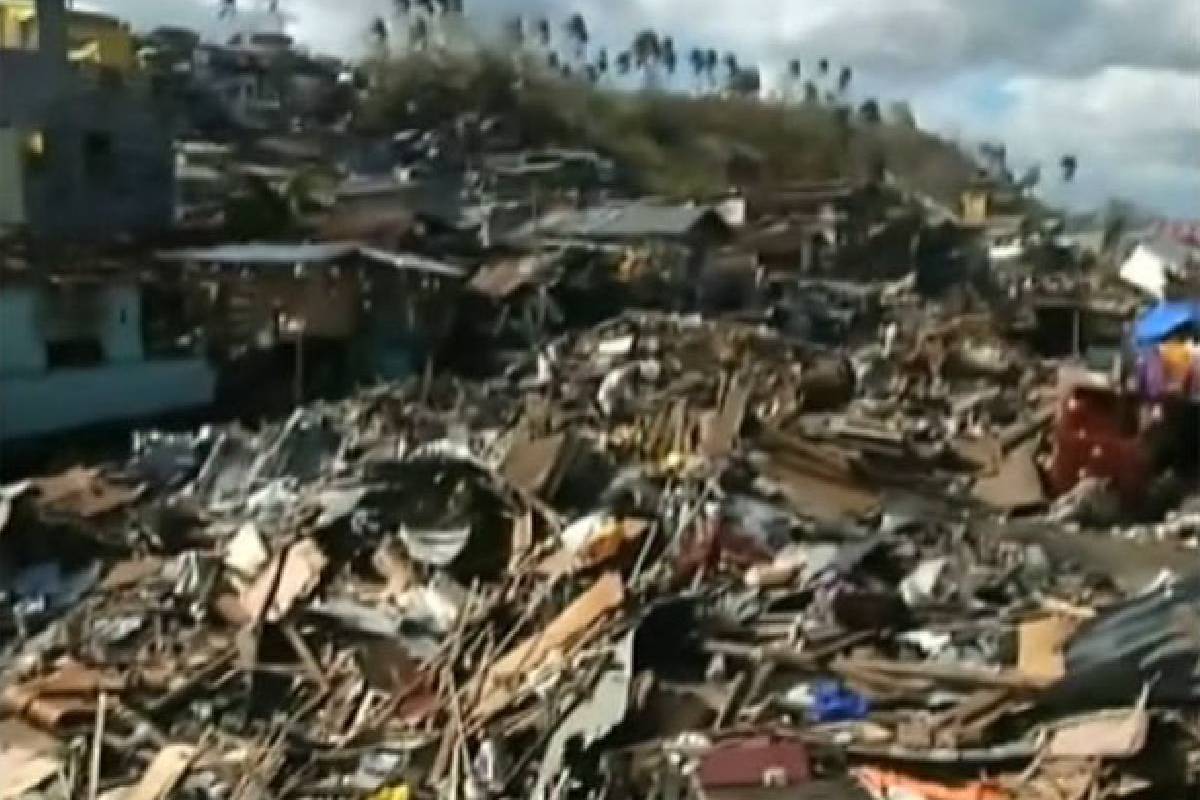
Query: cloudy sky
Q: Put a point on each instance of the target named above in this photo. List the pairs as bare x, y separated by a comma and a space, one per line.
1115, 82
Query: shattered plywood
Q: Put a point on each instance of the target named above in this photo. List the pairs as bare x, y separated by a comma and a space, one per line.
817, 481
534, 465
565, 631
1018, 483
286, 579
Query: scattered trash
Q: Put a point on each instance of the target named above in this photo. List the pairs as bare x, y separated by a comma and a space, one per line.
610, 579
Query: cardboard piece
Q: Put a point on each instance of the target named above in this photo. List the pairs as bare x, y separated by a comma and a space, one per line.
1040, 645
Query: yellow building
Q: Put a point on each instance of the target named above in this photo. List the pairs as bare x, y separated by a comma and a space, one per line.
975, 206
96, 39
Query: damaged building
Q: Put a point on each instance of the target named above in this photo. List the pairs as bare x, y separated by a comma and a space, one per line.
84, 154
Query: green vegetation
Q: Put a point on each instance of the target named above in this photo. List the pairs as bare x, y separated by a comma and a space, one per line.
670, 143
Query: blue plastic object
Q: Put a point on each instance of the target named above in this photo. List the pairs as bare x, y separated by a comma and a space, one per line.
832, 702
1158, 323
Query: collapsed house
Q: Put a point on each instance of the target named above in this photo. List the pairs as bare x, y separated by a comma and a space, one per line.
317, 316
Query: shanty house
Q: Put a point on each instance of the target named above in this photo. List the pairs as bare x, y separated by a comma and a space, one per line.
698, 229
322, 314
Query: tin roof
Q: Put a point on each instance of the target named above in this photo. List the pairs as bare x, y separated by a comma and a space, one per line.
307, 253
618, 221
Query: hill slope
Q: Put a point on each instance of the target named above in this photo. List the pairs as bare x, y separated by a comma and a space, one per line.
670, 143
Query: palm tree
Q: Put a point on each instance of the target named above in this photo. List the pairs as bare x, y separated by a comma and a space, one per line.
427, 6
602, 61
669, 57
418, 33
812, 95
746, 82
646, 48
696, 58
514, 31
793, 71
378, 36
1068, 164
647, 54
844, 78
226, 8
379, 31
823, 67
543, 31
869, 111
402, 8
592, 73
1030, 180
577, 32
624, 62
552, 60
711, 61
731, 65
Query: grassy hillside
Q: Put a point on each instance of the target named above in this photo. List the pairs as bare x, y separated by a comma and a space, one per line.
671, 143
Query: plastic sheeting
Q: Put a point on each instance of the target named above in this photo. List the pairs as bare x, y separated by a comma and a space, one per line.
1165, 319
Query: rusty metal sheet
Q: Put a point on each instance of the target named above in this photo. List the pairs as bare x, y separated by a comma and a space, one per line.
756, 762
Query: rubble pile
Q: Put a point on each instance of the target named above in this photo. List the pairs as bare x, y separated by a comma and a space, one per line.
665, 557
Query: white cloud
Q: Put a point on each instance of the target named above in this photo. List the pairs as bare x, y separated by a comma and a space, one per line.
1136, 132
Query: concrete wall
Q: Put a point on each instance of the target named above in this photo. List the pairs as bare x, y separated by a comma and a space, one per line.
67, 196
130, 189
64, 400
12, 187
22, 346
32, 315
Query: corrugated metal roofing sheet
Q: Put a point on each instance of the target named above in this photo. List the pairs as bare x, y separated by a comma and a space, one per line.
307, 253
618, 221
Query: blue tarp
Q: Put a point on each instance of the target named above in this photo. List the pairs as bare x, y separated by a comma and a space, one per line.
1164, 319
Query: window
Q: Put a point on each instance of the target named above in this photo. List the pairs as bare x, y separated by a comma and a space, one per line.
97, 154
79, 352
34, 151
